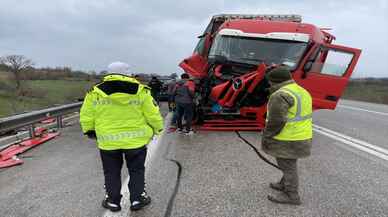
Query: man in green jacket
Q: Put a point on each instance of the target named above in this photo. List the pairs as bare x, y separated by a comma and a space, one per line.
288, 132
122, 115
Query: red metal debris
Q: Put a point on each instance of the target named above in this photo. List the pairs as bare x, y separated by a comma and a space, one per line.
10, 162
40, 131
8, 156
48, 121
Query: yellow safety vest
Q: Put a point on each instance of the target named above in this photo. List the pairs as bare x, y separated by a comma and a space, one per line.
299, 122
121, 120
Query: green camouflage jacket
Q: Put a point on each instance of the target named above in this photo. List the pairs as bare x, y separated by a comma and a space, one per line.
278, 107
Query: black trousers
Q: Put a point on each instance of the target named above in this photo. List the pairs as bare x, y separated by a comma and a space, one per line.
186, 110
112, 162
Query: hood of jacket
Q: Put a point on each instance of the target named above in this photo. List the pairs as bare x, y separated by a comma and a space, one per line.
118, 88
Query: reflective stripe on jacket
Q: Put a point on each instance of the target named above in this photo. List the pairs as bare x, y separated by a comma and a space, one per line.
299, 117
122, 112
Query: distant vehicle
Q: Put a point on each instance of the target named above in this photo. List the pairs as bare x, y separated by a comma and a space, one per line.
234, 53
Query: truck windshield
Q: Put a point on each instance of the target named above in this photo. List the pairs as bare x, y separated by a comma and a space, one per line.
257, 50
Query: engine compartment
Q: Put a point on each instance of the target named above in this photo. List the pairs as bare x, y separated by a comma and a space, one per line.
233, 92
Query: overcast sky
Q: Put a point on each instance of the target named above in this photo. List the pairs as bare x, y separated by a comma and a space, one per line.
154, 36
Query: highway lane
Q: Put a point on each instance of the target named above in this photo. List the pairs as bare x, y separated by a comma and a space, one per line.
370, 107
62, 177
228, 179
337, 180
221, 175
363, 124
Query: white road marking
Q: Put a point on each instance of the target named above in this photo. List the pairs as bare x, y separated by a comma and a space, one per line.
364, 110
151, 150
356, 143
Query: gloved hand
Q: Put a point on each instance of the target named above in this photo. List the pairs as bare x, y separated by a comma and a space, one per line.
91, 134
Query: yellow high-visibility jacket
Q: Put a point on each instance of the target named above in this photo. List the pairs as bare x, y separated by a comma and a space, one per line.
122, 112
299, 123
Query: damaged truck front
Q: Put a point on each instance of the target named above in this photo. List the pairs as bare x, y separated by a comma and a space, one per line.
235, 52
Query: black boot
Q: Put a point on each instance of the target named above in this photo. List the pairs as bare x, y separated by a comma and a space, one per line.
279, 186
286, 198
108, 204
139, 204
276, 186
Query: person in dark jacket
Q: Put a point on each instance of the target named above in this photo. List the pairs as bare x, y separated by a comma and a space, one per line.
288, 132
184, 99
156, 86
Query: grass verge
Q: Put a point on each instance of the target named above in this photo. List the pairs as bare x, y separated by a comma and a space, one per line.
41, 94
373, 90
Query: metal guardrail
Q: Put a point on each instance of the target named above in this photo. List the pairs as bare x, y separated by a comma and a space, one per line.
29, 119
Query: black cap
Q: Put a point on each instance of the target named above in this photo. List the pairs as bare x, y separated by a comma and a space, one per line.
279, 74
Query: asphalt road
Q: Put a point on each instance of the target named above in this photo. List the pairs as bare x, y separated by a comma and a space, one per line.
221, 176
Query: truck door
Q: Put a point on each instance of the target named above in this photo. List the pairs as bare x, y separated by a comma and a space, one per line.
326, 73
196, 64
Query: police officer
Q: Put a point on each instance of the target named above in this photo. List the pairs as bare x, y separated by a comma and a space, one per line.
122, 115
288, 132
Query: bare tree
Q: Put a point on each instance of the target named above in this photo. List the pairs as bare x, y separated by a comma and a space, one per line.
17, 65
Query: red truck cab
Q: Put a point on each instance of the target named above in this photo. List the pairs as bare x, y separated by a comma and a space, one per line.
235, 52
